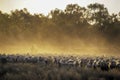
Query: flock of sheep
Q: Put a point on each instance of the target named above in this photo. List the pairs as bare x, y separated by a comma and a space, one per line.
103, 63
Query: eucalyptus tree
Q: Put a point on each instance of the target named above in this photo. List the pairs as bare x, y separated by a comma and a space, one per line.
98, 15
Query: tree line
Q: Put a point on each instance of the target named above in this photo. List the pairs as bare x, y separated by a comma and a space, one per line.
74, 21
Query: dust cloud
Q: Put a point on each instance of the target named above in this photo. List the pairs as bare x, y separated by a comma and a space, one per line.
97, 46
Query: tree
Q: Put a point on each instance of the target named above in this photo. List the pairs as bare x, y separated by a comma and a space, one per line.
75, 13
98, 15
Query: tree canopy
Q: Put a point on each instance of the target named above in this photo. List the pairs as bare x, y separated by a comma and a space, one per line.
73, 21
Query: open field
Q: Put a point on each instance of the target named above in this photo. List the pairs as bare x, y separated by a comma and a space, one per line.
57, 68
69, 42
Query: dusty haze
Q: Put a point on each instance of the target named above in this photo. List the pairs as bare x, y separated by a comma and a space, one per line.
73, 31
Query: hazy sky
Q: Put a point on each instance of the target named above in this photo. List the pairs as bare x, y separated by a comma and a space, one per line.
44, 6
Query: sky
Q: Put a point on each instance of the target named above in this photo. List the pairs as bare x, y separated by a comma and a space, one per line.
44, 6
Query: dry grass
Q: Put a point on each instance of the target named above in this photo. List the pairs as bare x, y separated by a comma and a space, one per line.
29, 71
